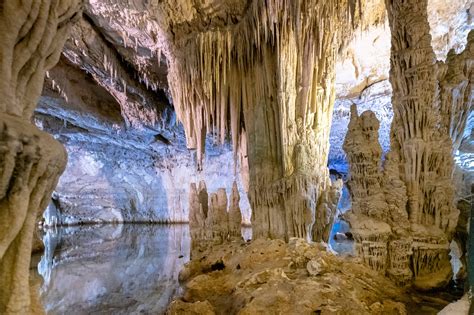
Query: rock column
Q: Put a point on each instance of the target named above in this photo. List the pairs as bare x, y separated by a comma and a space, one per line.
411, 208
269, 81
221, 223
32, 36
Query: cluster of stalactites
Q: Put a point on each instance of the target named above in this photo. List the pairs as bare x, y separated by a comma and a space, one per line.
211, 219
209, 73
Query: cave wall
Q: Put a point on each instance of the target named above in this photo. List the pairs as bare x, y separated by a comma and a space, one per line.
116, 183
114, 175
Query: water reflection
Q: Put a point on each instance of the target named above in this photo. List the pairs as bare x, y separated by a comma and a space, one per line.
338, 244
337, 239
112, 269
246, 233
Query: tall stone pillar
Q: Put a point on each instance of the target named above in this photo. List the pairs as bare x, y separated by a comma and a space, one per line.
268, 80
410, 202
32, 36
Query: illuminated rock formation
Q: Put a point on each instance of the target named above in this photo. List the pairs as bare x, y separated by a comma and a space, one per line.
197, 217
410, 203
272, 277
235, 216
221, 222
32, 36
124, 48
271, 77
217, 222
203, 197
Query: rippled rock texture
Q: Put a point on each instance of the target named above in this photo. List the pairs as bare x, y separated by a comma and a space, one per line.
404, 214
119, 269
32, 34
271, 276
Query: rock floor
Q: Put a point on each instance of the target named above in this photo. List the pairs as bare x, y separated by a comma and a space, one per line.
272, 277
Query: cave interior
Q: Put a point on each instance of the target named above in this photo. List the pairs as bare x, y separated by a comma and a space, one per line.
236, 156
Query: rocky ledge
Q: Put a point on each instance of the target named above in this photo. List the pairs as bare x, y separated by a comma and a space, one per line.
274, 277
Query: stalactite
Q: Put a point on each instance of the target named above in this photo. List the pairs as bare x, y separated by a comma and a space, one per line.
138, 106
274, 69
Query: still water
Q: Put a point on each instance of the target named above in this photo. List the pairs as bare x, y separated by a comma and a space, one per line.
111, 269
123, 268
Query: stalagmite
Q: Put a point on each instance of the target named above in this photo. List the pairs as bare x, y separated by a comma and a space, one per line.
235, 216
326, 212
220, 222
364, 156
203, 197
32, 34
197, 218
410, 202
222, 215
217, 225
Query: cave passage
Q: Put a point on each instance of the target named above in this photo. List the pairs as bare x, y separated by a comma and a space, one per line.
236, 156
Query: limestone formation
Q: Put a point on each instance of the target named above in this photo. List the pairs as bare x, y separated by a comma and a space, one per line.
197, 218
326, 212
217, 222
274, 277
270, 76
203, 197
138, 105
411, 200
261, 75
32, 34
221, 223
235, 216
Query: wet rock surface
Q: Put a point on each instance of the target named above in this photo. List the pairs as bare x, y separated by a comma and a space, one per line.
119, 269
271, 277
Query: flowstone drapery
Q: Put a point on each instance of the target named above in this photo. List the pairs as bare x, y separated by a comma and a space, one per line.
32, 34
404, 215
269, 81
